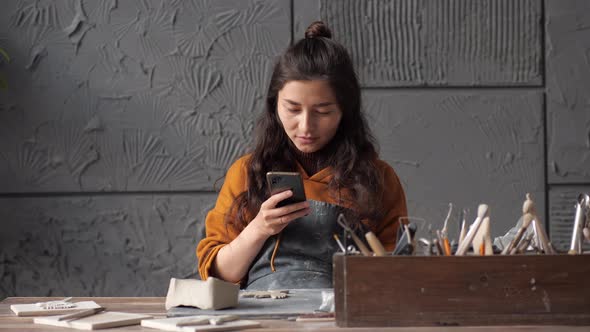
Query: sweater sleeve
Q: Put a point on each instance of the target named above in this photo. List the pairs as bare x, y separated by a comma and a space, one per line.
394, 207
217, 232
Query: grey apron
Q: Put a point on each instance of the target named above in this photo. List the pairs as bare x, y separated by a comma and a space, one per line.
304, 255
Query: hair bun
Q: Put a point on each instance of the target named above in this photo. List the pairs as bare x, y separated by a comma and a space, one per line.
318, 29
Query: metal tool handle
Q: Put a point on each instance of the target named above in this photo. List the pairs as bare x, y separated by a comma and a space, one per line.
575, 245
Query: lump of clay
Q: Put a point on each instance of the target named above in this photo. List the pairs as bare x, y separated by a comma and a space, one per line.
210, 294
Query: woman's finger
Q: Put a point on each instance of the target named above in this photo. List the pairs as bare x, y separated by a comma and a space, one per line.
285, 219
276, 198
287, 209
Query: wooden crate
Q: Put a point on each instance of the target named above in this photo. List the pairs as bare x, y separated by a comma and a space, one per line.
467, 290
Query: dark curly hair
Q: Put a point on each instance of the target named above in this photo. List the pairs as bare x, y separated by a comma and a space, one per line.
315, 57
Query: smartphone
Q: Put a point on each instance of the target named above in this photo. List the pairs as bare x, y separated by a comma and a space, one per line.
281, 181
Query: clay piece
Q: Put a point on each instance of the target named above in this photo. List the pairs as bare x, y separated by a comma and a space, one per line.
207, 294
273, 294
51, 308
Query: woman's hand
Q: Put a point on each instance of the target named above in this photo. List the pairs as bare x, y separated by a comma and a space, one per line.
271, 219
233, 260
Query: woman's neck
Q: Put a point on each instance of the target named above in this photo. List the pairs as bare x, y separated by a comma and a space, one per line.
312, 162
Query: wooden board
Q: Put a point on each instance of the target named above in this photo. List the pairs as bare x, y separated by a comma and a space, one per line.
468, 290
102, 320
169, 324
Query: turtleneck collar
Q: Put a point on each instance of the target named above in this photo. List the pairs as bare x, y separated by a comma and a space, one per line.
312, 162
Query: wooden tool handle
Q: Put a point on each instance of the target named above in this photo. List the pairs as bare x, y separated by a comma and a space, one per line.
480, 238
447, 246
528, 206
515, 240
527, 218
488, 239
375, 244
482, 212
359, 243
439, 249
444, 243
547, 248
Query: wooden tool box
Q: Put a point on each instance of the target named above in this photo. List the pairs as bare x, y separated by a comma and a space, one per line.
466, 290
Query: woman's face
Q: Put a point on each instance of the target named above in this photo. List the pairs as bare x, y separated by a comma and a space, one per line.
309, 113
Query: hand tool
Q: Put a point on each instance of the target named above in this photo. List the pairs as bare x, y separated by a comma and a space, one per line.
338, 242
81, 314
357, 241
405, 244
482, 212
544, 244
427, 246
481, 246
352, 249
463, 226
444, 236
437, 245
56, 304
439, 241
527, 218
582, 207
445, 224
529, 207
375, 244
482, 237
523, 245
488, 241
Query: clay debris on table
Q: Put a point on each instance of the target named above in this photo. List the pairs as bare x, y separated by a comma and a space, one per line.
273, 294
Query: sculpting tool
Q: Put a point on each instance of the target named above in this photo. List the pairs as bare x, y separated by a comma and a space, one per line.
576, 243
375, 244
359, 243
482, 212
81, 314
339, 243
463, 227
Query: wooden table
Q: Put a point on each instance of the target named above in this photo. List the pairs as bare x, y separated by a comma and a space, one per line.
155, 306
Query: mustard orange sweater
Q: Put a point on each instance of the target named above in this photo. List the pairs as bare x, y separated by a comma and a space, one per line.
218, 234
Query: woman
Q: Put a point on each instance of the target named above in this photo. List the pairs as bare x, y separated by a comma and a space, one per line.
313, 125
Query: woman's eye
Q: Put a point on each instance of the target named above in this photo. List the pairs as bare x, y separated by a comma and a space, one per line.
324, 112
292, 110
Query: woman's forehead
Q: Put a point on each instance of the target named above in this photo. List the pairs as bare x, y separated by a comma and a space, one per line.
307, 92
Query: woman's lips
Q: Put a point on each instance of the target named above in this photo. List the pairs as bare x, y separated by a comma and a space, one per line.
306, 140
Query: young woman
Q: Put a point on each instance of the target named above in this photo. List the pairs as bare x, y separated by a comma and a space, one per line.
313, 125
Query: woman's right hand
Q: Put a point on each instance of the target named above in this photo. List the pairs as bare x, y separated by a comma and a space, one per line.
272, 219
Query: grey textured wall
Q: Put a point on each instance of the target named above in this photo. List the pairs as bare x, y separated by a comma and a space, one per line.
121, 115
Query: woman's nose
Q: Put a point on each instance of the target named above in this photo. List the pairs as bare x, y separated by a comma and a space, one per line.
306, 121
